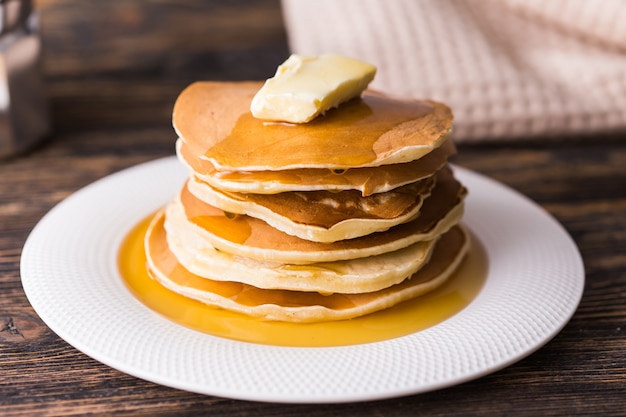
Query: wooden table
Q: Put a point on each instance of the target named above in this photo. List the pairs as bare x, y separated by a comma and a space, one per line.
111, 90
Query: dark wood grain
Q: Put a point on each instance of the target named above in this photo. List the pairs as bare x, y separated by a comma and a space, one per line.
123, 62
111, 88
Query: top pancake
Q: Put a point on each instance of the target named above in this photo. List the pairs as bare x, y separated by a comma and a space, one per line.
214, 119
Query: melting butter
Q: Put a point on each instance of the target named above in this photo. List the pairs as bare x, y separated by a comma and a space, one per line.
307, 86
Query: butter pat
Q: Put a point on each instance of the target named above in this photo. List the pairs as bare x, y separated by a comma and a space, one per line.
307, 86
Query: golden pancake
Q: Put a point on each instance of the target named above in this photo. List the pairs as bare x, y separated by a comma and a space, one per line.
299, 306
369, 180
214, 119
322, 216
193, 219
344, 276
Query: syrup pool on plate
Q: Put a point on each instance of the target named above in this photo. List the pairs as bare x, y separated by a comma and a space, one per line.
406, 318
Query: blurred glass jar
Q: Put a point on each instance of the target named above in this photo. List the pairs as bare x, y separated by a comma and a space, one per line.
24, 116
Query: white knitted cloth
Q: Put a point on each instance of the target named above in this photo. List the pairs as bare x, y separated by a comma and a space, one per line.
508, 68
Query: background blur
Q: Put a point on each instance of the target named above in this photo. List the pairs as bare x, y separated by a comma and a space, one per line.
127, 60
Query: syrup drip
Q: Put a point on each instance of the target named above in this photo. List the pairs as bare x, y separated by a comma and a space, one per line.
406, 318
327, 140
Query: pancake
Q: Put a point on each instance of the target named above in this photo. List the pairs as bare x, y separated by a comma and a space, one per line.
344, 276
366, 180
309, 216
299, 306
209, 227
214, 119
322, 216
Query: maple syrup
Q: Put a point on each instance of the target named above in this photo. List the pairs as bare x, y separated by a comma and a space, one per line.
355, 134
403, 319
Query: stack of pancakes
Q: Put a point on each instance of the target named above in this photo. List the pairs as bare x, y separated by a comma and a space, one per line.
351, 213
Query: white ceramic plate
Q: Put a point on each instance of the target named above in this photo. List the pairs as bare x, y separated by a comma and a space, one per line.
70, 275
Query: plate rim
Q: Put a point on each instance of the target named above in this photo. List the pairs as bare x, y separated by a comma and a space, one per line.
169, 170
